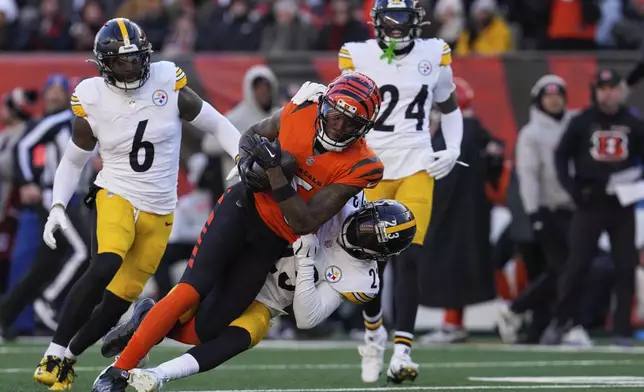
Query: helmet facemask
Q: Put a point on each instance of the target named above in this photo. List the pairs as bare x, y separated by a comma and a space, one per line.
338, 125
126, 70
398, 25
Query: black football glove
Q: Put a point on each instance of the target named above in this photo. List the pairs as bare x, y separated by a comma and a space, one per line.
248, 177
267, 154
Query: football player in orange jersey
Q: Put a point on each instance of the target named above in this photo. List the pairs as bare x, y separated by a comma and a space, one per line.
247, 232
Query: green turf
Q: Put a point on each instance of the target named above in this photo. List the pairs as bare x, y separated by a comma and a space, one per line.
332, 369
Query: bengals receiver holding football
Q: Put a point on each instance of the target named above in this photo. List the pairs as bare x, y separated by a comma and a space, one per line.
411, 74
247, 232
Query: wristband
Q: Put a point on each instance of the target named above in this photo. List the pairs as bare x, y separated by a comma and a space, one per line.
283, 193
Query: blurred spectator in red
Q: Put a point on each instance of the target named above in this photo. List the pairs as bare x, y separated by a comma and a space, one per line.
450, 19
487, 33
231, 28
288, 31
8, 17
92, 19
182, 37
572, 25
629, 32
49, 28
343, 28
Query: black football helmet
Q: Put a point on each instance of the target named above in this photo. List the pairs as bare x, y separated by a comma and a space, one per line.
378, 230
122, 53
399, 20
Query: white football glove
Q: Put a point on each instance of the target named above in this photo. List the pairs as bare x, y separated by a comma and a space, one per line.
444, 162
57, 219
305, 248
309, 91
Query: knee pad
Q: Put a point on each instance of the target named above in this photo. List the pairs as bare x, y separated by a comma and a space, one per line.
104, 266
256, 320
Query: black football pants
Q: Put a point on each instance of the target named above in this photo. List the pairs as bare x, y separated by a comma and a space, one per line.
587, 225
234, 254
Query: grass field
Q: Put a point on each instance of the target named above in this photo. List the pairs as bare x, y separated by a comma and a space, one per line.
334, 367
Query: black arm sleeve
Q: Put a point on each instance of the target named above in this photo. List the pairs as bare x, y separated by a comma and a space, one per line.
636, 74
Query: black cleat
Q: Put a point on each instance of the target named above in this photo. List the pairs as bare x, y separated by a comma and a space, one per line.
115, 341
111, 380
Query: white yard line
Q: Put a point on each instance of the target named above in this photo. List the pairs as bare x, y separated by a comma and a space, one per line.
430, 365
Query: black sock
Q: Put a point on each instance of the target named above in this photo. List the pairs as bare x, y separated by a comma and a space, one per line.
85, 295
231, 342
406, 292
104, 317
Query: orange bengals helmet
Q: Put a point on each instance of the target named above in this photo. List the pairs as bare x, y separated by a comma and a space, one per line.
347, 111
464, 93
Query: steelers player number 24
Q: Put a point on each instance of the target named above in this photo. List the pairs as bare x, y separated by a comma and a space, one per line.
137, 144
415, 110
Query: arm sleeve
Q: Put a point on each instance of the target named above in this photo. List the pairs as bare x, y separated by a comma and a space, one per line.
211, 121
68, 173
563, 153
311, 304
445, 84
528, 166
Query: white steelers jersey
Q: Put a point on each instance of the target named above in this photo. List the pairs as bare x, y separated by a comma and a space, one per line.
356, 279
408, 87
139, 136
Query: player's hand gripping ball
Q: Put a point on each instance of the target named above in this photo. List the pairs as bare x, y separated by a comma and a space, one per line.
254, 176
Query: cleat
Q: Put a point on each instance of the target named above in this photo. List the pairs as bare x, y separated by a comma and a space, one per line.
146, 380
373, 354
116, 340
66, 377
401, 368
508, 324
48, 370
111, 379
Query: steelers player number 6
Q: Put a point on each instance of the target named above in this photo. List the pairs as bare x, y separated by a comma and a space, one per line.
415, 110
137, 145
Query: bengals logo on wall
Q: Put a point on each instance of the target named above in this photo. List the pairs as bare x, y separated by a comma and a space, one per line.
610, 145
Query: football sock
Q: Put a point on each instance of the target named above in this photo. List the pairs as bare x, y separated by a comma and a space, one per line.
372, 323
55, 350
85, 295
231, 342
106, 315
453, 317
502, 285
184, 366
406, 291
402, 343
157, 323
185, 333
70, 355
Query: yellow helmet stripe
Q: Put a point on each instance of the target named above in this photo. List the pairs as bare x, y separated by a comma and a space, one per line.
400, 227
126, 37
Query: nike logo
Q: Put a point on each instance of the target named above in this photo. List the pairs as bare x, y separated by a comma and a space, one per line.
168, 224
269, 152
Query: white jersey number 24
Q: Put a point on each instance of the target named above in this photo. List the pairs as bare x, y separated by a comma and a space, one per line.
415, 110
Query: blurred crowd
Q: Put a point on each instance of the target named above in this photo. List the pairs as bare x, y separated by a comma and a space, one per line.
184, 26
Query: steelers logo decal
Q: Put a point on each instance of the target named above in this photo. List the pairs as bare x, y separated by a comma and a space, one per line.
333, 274
425, 67
160, 97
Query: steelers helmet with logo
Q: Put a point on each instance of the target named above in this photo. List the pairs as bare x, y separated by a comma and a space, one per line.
122, 53
398, 20
378, 230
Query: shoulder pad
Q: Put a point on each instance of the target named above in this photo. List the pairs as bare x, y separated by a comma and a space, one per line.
163, 72
88, 90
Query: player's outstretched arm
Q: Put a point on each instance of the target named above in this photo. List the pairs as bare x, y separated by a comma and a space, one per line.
302, 217
202, 115
79, 150
311, 304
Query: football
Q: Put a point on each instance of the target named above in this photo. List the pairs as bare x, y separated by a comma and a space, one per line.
289, 167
